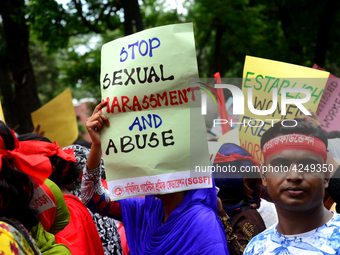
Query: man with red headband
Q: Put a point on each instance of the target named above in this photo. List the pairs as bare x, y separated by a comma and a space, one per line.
296, 175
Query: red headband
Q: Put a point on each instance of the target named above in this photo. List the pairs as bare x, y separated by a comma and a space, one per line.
219, 158
295, 142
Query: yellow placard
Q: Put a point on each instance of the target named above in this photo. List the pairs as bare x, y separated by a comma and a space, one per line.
1, 114
58, 119
263, 76
230, 137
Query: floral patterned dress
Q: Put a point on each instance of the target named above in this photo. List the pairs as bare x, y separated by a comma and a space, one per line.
14, 239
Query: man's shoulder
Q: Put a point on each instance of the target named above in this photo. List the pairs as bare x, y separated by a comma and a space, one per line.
333, 224
335, 218
325, 237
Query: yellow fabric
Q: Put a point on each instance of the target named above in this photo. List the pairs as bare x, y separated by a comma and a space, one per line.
333, 207
12, 242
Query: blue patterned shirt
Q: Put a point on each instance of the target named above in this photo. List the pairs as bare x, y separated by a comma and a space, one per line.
323, 240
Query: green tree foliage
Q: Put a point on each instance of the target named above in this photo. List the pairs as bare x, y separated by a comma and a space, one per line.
46, 71
300, 32
225, 32
52, 25
82, 68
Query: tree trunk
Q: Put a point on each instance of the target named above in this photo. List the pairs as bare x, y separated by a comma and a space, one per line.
132, 17
7, 96
331, 8
24, 96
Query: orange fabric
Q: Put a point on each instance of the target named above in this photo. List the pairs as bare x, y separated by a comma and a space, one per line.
87, 241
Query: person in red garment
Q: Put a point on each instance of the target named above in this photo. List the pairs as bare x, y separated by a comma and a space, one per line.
81, 234
86, 240
107, 229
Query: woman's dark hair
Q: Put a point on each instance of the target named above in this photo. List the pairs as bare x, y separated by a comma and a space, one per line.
64, 172
7, 136
32, 136
302, 127
16, 187
73, 170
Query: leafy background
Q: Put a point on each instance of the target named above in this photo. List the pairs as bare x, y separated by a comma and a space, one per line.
47, 46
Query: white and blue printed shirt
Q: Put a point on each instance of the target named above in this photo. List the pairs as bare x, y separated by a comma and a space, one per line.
323, 240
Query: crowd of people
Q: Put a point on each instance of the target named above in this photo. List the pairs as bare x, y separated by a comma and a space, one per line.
55, 200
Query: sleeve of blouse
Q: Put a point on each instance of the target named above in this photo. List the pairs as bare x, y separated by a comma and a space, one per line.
96, 197
62, 215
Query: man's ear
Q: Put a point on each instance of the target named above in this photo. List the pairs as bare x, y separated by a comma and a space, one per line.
326, 181
331, 163
263, 175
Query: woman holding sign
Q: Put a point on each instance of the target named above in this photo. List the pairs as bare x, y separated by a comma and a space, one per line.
177, 223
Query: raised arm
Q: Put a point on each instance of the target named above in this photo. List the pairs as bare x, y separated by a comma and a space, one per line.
93, 194
94, 125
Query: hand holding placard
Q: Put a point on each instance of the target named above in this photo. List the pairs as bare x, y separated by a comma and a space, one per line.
96, 120
311, 118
